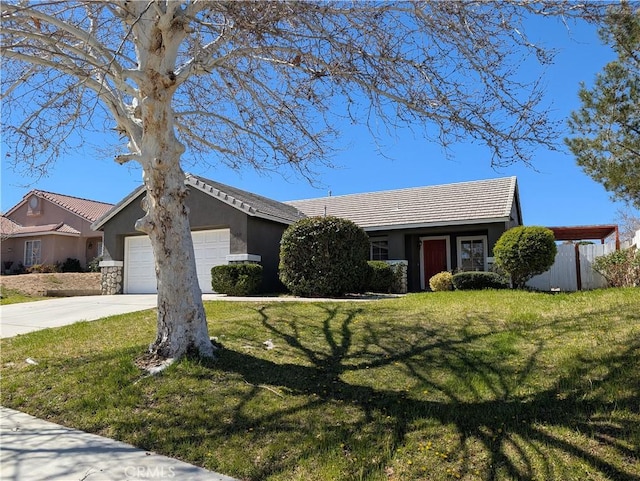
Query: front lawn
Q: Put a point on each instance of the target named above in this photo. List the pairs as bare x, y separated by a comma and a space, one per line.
441, 386
12, 296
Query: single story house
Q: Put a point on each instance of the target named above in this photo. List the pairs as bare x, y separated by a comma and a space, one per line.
433, 228
228, 225
429, 229
47, 228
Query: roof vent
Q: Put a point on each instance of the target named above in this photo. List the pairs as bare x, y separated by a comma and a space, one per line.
35, 206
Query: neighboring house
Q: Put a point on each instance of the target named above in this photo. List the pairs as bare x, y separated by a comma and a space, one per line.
451, 227
228, 225
46, 228
431, 229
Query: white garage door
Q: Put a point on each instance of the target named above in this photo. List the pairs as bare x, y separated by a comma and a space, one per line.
211, 249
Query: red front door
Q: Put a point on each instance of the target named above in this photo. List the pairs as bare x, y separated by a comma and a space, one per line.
434, 253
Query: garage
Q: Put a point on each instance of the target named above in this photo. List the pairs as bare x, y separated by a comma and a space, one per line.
211, 248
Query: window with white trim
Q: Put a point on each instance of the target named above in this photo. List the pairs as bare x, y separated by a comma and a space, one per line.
32, 253
379, 249
472, 253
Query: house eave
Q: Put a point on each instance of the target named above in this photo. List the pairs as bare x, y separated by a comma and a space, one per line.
117, 208
202, 187
425, 225
40, 234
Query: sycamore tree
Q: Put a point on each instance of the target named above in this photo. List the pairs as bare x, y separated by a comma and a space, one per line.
263, 84
606, 129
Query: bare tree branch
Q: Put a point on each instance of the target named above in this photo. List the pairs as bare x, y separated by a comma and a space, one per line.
265, 84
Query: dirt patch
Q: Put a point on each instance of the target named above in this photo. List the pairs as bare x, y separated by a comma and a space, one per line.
39, 284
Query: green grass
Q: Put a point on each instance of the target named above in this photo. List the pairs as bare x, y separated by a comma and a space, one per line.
10, 296
492, 385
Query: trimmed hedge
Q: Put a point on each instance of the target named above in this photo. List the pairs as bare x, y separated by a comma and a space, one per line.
466, 281
236, 279
381, 277
524, 252
442, 281
324, 257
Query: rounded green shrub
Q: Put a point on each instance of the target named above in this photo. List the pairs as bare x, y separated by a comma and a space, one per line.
477, 280
324, 256
523, 252
381, 277
442, 281
236, 279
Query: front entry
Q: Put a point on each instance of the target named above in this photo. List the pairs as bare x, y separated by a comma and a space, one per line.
434, 259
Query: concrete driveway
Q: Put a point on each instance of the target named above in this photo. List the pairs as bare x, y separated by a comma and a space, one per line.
31, 316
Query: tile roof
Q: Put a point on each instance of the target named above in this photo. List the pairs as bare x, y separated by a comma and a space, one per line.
44, 229
7, 226
459, 203
253, 204
89, 210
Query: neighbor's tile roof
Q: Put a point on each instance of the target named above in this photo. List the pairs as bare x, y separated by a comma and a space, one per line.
7, 226
252, 204
90, 210
44, 229
459, 203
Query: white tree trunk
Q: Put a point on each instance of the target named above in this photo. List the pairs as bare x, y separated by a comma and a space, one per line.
182, 325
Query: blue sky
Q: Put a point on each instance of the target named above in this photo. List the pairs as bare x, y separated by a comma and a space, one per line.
554, 192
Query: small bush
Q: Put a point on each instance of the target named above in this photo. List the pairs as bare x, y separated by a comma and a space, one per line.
323, 257
442, 281
71, 265
464, 281
524, 252
236, 279
381, 277
620, 268
43, 269
94, 264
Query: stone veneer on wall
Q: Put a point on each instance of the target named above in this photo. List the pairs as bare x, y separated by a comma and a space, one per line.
400, 269
112, 278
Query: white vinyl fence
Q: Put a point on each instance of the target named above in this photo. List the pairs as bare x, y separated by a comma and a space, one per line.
573, 269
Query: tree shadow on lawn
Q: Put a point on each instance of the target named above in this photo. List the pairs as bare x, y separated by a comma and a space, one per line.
524, 436
316, 398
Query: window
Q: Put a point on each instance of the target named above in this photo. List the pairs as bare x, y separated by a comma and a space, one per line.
100, 249
31, 253
379, 250
472, 253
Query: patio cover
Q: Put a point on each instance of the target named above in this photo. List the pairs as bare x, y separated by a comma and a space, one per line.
587, 232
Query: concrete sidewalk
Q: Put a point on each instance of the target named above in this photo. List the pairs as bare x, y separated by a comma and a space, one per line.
36, 450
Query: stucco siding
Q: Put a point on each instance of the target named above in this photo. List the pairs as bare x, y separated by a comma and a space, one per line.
264, 240
51, 214
62, 233
204, 213
405, 244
